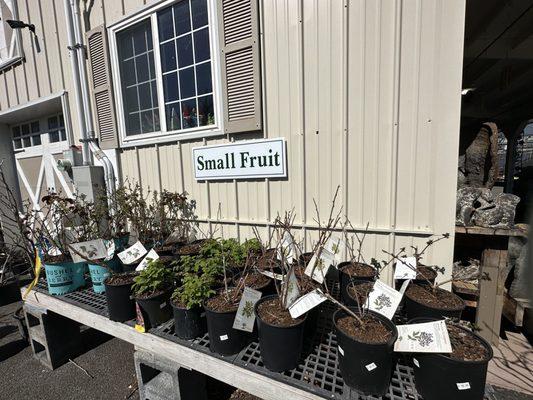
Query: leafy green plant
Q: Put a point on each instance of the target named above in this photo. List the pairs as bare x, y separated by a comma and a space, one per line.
154, 278
194, 290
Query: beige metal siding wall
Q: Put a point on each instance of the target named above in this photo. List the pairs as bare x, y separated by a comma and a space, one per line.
367, 94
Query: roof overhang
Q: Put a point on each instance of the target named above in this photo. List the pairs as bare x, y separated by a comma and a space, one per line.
33, 109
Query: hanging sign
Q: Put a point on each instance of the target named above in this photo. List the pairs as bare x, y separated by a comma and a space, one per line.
427, 337
241, 160
132, 253
151, 256
245, 317
406, 268
90, 250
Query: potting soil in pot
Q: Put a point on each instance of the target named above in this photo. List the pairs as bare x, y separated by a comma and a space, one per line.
357, 293
352, 272
423, 301
254, 280
461, 374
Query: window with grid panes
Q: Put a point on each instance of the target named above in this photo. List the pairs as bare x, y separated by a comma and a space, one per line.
26, 135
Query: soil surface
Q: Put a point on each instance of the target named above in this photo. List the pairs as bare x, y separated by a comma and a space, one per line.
440, 299
267, 262
190, 249
273, 313
306, 284
372, 331
254, 280
359, 269
221, 303
304, 259
121, 279
48, 259
466, 346
359, 291
242, 395
424, 272
149, 295
179, 304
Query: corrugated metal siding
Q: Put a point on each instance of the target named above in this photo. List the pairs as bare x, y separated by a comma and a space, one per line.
366, 92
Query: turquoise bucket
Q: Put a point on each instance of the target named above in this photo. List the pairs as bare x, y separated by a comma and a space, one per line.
78, 274
98, 275
59, 278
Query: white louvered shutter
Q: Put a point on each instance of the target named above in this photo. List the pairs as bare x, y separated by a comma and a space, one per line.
241, 69
102, 88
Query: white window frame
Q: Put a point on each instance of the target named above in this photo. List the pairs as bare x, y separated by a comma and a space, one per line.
163, 135
16, 40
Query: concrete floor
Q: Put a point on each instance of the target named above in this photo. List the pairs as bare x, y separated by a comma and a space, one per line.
110, 372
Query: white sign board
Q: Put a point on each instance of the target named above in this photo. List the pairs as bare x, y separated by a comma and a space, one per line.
241, 160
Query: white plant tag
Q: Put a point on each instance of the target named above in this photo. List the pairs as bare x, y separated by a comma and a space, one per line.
371, 366
132, 253
287, 248
415, 362
428, 337
383, 299
341, 351
318, 266
163, 305
151, 256
403, 288
306, 302
463, 385
406, 268
87, 251
336, 246
224, 337
292, 290
272, 275
245, 317
54, 251
110, 247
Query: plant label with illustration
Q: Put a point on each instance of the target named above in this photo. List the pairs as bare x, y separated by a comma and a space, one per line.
306, 303
318, 266
87, 251
245, 318
406, 268
272, 275
428, 337
110, 247
132, 253
287, 248
292, 290
151, 256
336, 245
384, 300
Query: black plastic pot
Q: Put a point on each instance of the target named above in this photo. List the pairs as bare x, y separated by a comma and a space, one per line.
189, 323
345, 280
350, 301
399, 282
10, 292
439, 377
120, 303
366, 368
223, 339
130, 267
280, 346
414, 309
155, 309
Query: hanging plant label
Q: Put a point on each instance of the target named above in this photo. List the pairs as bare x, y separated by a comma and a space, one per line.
87, 251
110, 247
245, 317
287, 249
306, 303
272, 275
132, 253
384, 300
428, 337
319, 265
151, 256
406, 268
336, 246
292, 290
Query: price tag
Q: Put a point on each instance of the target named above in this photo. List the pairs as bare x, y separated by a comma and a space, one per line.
224, 337
371, 366
383, 299
405, 268
151, 256
336, 246
428, 337
463, 385
88, 251
318, 266
245, 317
132, 253
306, 303
341, 351
292, 290
415, 362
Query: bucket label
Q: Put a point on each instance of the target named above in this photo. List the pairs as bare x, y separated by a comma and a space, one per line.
245, 317
371, 366
224, 337
336, 246
341, 351
151, 256
292, 291
272, 275
287, 249
306, 302
415, 362
88, 251
132, 253
319, 265
463, 385
428, 337
406, 268
383, 299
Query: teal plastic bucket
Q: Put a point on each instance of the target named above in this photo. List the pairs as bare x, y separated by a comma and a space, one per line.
98, 275
78, 274
59, 278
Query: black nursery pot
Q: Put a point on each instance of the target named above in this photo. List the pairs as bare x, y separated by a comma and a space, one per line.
9, 292
350, 301
280, 346
367, 368
120, 303
155, 310
345, 279
189, 323
223, 339
438, 377
414, 309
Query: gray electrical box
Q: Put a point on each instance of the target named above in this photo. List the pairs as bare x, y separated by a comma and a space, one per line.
89, 180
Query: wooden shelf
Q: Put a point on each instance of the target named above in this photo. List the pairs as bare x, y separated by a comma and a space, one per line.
519, 230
